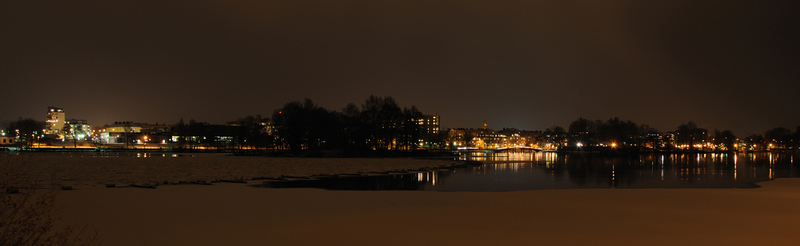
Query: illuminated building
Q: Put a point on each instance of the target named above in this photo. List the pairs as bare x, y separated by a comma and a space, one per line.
7, 141
55, 120
77, 129
520, 138
483, 138
123, 126
429, 124
429, 130
119, 132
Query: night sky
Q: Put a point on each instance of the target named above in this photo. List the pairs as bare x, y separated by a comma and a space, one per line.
524, 64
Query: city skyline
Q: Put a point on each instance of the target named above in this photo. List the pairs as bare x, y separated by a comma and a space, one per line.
49, 123
728, 65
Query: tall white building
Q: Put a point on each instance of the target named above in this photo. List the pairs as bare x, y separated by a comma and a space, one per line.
55, 120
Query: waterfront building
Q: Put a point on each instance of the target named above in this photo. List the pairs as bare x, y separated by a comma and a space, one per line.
429, 131
522, 138
122, 126
118, 132
482, 138
429, 124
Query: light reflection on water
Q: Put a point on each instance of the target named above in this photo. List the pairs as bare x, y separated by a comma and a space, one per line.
549, 170
131, 154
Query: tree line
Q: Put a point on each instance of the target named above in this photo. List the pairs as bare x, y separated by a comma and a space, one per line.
380, 123
377, 124
616, 133
27, 130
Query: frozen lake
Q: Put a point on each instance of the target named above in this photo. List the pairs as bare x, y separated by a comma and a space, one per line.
87, 170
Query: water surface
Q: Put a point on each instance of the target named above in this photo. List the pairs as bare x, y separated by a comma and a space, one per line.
549, 170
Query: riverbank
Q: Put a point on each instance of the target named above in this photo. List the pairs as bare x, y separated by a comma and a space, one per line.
236, 214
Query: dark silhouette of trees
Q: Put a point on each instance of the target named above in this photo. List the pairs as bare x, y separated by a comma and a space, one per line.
621, 133
556, 135
795, 142
181, 130
582, 125
409, 129
189, 135
194, 131
355, 132
614, 132
379, 124
251, 132
26, 130
779, 137
689, 134
128, 131
382, 117
304, 125
467, 138
775, 138
725, 139
582, 131
756, 142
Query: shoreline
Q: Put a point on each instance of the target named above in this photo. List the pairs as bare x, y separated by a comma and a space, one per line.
235, 214
375, 154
